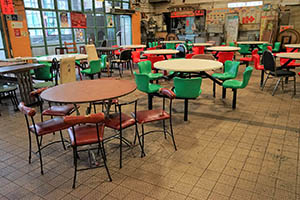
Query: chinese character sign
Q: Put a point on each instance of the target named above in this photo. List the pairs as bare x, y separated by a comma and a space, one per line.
7, 7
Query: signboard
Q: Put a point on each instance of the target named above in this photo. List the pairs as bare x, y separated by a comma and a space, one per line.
7, 7
78, 20
187, 13
232, 27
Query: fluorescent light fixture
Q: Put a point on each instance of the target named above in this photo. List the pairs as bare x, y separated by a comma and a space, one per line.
245, 4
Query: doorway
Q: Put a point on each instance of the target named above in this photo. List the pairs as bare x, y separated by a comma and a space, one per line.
123, 28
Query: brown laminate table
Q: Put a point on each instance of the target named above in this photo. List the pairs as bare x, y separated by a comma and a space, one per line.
22, 72
89, 91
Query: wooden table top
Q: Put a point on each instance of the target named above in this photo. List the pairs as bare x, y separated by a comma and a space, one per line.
188, 65
19, 68
5, 63
89, 91
253, 42
161, 51
172, 42
223, 48
201, 44
59, 57
107, 48
18, 59
133, 46
295, 46
294, 56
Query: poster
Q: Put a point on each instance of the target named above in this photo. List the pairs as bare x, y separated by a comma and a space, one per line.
78, 20
110, 21
79, 35
232, 27
7, 7
190, 25
64, 21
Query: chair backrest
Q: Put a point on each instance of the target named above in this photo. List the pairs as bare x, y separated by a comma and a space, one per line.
144, 67
244, 48
95, 66
140, 49
125, 55
204, 56
170, 46
246, 76
231, 44
91, 52
154, 59
254, 52
288, 49
154, 44
150, 45
189, 56
116, 52
270, 48
182, 51
277, 46
71, 47
135, 55
26, 110
268, 61
60, 50
198, 50
224, 56
187, 87
67, 70
256, 60
103, 61
44, 73
232, 67
142, 82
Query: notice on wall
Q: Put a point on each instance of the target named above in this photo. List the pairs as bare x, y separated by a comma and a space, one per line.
64, 21
17, 24
110, 21
17, 32
78, 20
232, 27
7, 7
79, 35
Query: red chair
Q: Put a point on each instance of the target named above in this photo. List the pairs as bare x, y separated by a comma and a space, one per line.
224, 56
41, 129
151, 48
154, 59
117, 52
86, 131
258, 66
141, 49
291, 64
198, 50
136, 57
189, 56
246, 60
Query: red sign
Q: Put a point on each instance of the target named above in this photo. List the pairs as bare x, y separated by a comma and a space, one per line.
247, 20
17, 32
187, 13
78, 20
7, 7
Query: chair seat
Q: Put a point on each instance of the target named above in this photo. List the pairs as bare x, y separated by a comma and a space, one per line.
178, 96
283, 73
85, 134
234, 84
154, 88
49, 126
88, 71
260, 67
246, 59
119, 61
154, 76
7, 88
223, 76
113, 121
59, 110
146, 116
43, 84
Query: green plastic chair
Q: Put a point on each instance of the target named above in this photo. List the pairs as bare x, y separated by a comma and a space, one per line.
150, 44
156, 44
170, 46
276, 47
153, 44
103, 62
143, 84
262, 47
235, 84
186, 89
244, 49
45, 74
95, 68
223, 44
231, 44
231, 69
145, 68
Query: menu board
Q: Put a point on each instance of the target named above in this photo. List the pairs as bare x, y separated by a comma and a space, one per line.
78, 20
7, 7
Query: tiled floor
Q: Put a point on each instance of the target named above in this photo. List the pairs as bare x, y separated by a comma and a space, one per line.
249, 153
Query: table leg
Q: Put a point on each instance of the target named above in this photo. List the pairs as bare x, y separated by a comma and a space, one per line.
25, 86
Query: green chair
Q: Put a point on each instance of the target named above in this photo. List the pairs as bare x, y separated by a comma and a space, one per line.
262, 47
231, 44
276, 47
235, 84
153, 44
103, 64
143, 84
44, 73
231, 69
95, 68
145, 68
170, 46
186, 89
156, 44
223, 44
245, 49
150, 44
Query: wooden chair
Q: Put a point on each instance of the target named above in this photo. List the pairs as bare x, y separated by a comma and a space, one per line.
71, 47
67, 70
60, 50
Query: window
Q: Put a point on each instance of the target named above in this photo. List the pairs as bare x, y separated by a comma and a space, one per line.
245, 4
50, 24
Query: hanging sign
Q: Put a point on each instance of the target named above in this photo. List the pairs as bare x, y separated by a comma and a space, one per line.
187, 13
78, 20
7, 7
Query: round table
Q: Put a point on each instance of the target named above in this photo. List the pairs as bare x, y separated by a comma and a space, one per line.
134, 46
253, 42
223, 48
289, 56
172, 42
200, 44
163, 52
59, 57
293, 46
